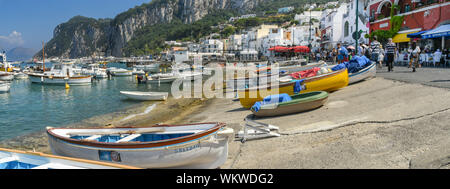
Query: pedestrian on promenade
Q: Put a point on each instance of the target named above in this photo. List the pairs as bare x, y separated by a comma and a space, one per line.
390, 53
334, 55
415, 56
375, 50
410, 50
342, 53
381, 57
361, 50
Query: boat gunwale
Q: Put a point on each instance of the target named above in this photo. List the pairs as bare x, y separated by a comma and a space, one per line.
365, 70
135, 145
59, 77
282, 84
79, 160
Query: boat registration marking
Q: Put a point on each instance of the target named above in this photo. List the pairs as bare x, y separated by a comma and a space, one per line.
189, 148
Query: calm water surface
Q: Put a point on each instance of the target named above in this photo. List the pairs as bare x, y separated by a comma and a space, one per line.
32, 107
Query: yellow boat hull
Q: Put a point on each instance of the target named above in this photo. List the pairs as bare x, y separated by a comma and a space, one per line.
328, 82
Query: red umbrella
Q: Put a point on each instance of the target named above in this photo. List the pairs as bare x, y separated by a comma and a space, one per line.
279, 49
301, 49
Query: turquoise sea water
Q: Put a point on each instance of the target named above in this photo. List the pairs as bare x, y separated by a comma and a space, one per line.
32, 107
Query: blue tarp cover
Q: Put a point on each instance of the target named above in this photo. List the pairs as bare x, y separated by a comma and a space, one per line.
356, 64
272, 99
298, 86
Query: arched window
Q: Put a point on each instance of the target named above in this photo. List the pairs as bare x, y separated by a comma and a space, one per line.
346, 29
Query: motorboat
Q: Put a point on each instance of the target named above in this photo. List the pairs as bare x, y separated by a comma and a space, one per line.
137, 95
94, 70
60, 73
4, 87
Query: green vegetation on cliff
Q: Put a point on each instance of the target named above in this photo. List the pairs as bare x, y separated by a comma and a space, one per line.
150, 39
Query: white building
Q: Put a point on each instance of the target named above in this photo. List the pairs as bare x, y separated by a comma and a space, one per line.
305, 17
331, 26
211, 46
349, 24
253, 39
234, 43
275, 38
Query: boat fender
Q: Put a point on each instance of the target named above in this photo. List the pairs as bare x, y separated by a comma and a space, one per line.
226, 131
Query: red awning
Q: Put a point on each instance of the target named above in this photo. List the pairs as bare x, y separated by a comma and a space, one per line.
279, 49
301, 49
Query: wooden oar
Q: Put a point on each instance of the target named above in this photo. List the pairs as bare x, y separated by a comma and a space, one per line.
137, 131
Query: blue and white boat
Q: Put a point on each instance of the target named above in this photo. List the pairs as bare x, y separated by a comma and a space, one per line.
15, 159
368, 72
189, 146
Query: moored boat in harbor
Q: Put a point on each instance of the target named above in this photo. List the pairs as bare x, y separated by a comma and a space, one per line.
60, 73
4, 87
136, 95
6, 76
196, 146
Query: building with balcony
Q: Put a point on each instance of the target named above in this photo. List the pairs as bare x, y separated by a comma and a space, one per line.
419, 15
331, 26
349, 22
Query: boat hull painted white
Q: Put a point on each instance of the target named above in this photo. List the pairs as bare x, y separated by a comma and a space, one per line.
58, 81
37, 160
208, 152
4, 87
370, 71
145, 95
6, 77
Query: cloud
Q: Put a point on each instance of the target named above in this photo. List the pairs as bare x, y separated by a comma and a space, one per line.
12, 40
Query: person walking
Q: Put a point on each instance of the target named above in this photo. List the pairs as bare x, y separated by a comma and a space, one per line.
390, 53
415, 56
375, 50
381, 56
342, 53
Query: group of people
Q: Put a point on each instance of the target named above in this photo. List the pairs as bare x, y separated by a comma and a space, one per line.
375, 52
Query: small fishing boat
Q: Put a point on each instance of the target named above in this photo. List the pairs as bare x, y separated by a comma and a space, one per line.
329, 82
16, 159
4, 87
20, 75
296, 104
6, 76
248, 82
120, 72
190, 146
368, 72
138, 72
60, 74
94, 70
136, 95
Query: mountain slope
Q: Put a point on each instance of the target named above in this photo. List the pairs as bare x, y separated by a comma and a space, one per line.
81, 36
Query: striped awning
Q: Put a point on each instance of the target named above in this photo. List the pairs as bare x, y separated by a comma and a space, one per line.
441, 31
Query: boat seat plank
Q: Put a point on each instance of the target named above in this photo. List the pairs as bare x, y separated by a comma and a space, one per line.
93, 137
55, 166
128, 138
8, 159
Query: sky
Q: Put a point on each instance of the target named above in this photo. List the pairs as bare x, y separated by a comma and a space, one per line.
26, 23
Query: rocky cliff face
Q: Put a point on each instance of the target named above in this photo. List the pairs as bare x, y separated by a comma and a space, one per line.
87, 37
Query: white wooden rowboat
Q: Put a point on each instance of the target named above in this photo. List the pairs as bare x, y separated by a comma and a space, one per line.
4, 87
136, 95
368, 72
15, 159
191, 146
6, 76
